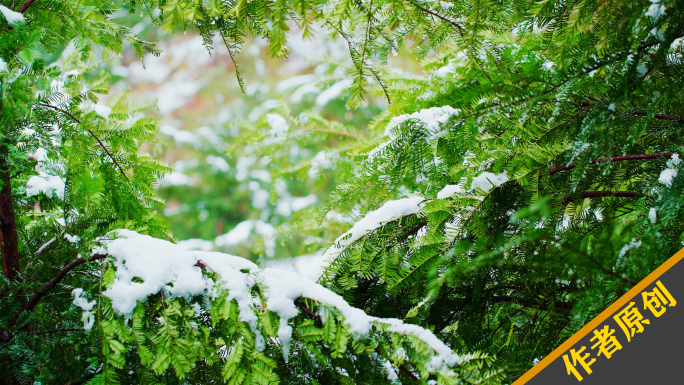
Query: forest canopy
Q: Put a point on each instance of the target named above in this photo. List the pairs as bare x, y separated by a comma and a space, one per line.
473, 209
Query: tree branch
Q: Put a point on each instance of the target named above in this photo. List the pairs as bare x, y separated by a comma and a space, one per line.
597, 194
25, 6
64, 330
91, 133
9, 240
37, 296
611, 159
659, 116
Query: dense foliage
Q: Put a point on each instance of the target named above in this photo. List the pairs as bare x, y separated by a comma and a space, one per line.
514, 188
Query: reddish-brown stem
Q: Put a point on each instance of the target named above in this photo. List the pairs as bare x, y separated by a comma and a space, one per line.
65, 330
660, 116
51, 284
9, 241
611, 159
25, 6
598, 194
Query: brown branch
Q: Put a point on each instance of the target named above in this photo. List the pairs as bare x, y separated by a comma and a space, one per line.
51, 284
25, 6
9, 240
91, 133
65, 330
659, 116
598, 194
611, 159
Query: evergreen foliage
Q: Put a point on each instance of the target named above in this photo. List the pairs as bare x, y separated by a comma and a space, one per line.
511, 192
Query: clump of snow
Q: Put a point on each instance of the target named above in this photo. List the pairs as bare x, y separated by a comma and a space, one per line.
50, 185
196, 244
3, 66
430, 118
450, 190
240, 234
288, 205
72, 238
11, 16
145, 266
322, 160
279, 126
667, 175
390, 211
333, 92
487, 180
632, 245
310, 266
82, 302
652, 215
655, 11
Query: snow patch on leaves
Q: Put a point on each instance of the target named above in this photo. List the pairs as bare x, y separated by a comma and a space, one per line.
390, 211
667, 175
11, 16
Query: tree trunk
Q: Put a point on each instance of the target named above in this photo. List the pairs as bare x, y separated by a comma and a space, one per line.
9, 242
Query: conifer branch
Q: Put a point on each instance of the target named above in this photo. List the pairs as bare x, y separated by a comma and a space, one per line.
659, 116
611, 159
25, 6
64, 330
599, 194
51, 284
91, 133
458, 27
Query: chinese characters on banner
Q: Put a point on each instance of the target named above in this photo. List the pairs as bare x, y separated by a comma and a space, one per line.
630, 320
640, 331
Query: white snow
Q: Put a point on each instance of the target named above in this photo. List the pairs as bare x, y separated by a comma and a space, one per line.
632, 245
50, 185
279, 126
666, 176
240, 234
655, 11
72, 238
430, 118
3, 66
310, 266
88, 319
11, 16
333, 92
670, 172
484, 181
652, 215
196, 244
288, 205
450, 190
163, 266
388, 212
323, 159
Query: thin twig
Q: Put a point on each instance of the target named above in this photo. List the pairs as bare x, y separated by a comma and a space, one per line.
598, 194
25, 6
659, 116
612, 159
91, 133
51, 284
65, 330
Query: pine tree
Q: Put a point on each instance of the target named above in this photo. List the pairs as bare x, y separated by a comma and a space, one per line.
506, 197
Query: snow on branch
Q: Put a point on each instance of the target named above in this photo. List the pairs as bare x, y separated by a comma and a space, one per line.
390, 211
146, 266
